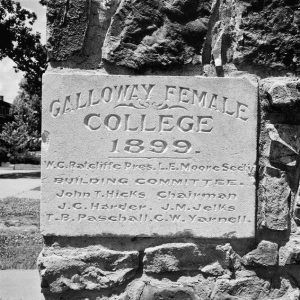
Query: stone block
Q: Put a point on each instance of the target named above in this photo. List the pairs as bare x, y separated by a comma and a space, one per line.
76, 31
228, 259
185, 288
156, 34
284, 146
274, 197
266, 254
282, 91
89, 268
223, 33
197, 287
165, 35
176, 257
245, 288
214, 269
136, 156
279, 153
289, 254
67, 26
254, 288
279, 100
168, 293
268, 38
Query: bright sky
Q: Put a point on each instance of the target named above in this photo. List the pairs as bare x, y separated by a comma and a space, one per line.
9, 79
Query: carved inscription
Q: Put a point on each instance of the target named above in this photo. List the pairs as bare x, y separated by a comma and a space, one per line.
139, 156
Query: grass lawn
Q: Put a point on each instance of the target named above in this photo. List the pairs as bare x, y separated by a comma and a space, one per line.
20, 239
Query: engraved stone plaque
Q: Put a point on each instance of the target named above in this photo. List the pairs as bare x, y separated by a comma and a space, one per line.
148, 156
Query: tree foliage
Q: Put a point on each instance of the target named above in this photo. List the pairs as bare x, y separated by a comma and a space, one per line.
23, 132
19, 43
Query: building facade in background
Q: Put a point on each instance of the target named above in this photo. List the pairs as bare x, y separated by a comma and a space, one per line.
4, 111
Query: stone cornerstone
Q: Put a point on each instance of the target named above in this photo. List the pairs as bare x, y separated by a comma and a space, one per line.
171, 150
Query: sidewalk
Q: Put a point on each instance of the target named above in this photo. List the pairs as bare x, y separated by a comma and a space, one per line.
20, 285
19, 183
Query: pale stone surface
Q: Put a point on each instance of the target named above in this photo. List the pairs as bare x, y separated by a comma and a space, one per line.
254, 288
285, 145
266, 254
198, 287
246, 288
89, 268
290, 252
173, 258
228, 258
214, 269
172, 156
186, 288
274, 191
279, 155
282, 91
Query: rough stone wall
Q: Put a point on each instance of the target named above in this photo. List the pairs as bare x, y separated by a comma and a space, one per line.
188, 37
206, 37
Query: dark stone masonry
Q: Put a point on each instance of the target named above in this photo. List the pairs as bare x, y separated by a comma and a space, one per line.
254, 39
